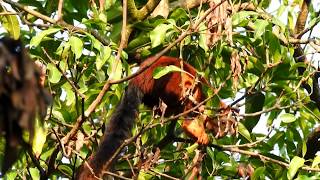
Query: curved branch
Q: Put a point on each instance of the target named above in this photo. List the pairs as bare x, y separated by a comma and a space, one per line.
141, 14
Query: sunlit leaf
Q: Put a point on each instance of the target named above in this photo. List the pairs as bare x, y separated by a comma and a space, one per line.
35, 41
65, 168
54, 73
76, 46
115, 68
70, 97
260, 26
39, 139
316, 161
240, 16
103, 56
35, 174
158, 35
295, 164
203, 37
192, 148
11, 24
287, 118
244, 132
162, 71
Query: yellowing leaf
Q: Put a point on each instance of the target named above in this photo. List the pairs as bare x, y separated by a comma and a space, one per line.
40, 137
11, 24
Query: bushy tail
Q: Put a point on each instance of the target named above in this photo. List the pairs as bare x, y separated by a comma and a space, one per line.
118, 129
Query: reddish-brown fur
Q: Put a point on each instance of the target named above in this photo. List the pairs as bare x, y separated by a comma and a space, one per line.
171, 89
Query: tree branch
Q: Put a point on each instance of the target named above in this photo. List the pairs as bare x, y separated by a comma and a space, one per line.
54, 22
142, 13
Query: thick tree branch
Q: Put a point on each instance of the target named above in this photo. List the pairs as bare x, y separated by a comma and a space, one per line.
141, 14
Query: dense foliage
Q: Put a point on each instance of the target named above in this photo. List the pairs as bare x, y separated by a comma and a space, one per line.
250, 49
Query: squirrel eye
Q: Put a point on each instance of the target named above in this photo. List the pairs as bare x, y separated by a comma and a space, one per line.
17, 49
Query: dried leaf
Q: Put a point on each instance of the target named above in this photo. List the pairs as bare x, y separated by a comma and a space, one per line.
218, 22
235, 68
80, 141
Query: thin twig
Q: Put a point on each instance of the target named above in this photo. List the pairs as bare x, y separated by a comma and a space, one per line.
249, 145
115, 175
276, 106
64, 75
163, 175
8, 13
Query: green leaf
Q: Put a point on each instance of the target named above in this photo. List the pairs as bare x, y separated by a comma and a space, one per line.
281, 9
144, 138
76, 46
295, 164
179, 15
237, 18
287, 118
258, 173
11, 24
115, 68
162, 71
192, 148
11, 175
253, 104
35, 41
316, 161
275, 47
40, 136
65, 168
54, 74
244, 131
104, 55
35, 174
158, 35
203, 37
70, 94
304, 149
95, 43
260, 27
290, 20
144, 176
101, 76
